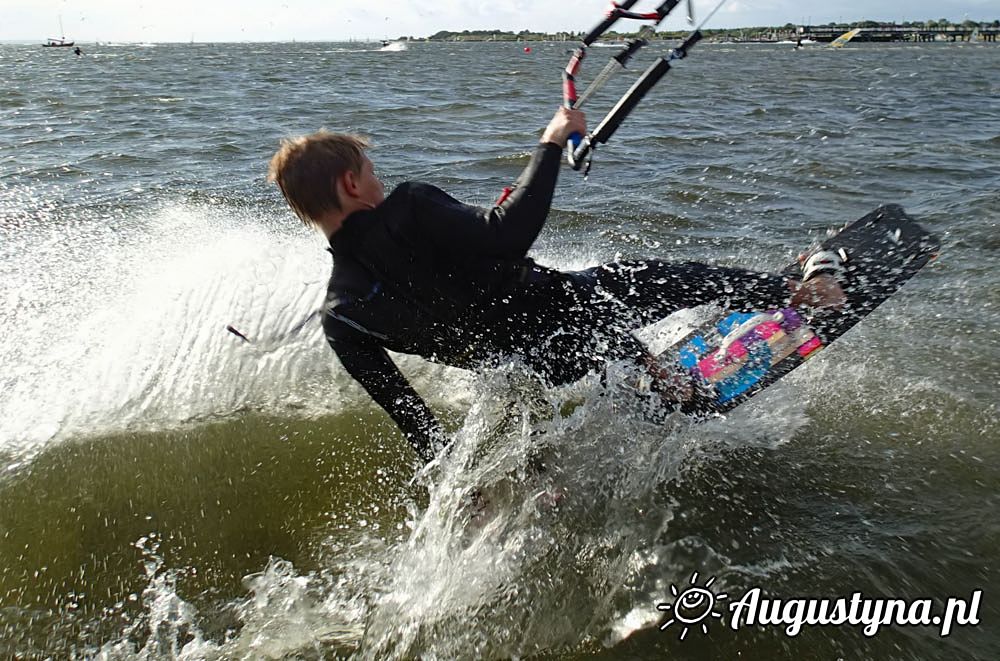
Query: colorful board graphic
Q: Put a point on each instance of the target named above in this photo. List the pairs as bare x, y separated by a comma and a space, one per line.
736, 355
744, 348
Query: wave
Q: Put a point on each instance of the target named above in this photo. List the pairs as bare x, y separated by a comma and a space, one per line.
554, 524
125, 327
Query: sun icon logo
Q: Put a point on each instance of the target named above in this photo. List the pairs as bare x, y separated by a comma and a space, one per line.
692, 605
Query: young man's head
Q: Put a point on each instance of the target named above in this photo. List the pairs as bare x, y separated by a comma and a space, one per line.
326, 175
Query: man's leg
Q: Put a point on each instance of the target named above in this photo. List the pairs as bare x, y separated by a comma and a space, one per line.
585, 319
580, 320
627, 295
649, 290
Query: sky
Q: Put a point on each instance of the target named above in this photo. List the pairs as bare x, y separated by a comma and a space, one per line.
335, 20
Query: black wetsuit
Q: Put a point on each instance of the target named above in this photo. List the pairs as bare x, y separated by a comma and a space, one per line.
424, 274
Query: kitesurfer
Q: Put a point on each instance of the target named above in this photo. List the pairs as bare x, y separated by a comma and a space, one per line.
419, 272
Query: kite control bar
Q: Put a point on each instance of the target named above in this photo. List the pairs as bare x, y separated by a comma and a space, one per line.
616, 64
628, 102
581, 149
617, 11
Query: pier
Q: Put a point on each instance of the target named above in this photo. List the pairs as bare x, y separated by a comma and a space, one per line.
914, 33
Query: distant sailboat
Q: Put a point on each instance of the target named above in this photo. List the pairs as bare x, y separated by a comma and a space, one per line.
61, 41
842, 40
974, 37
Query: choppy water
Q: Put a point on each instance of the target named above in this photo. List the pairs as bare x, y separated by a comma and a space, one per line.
167, 492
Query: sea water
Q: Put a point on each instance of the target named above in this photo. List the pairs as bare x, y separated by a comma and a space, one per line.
169, 491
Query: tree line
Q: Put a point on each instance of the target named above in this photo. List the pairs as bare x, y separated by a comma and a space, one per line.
723, 33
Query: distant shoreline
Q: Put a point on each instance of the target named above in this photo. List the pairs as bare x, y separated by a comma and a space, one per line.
942, 30
934, 30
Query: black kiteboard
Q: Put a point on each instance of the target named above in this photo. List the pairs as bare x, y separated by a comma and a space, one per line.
736, 355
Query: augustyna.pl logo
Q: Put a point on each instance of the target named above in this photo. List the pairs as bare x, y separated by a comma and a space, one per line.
692, 605
697, 605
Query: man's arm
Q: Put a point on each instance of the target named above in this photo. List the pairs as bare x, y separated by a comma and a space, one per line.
371, 366
505, 231
508, 229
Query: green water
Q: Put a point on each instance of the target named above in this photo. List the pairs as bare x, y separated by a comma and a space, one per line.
167, 492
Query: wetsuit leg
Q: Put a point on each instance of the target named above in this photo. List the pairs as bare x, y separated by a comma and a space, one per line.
577, 323
595, 322
642, 292
552, 324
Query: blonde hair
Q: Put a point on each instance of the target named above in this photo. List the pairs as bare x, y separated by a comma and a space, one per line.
306, 168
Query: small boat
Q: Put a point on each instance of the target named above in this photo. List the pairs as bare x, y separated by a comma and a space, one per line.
392, 46
61, 41
798, 43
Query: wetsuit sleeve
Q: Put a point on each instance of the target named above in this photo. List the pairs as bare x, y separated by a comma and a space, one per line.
371, 366
506, 230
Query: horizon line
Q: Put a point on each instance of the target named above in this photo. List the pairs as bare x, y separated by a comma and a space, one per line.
32, 40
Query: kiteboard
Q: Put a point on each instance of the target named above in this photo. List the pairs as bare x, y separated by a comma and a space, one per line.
736, 355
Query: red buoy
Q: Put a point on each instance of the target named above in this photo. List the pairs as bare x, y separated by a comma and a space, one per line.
527, 49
